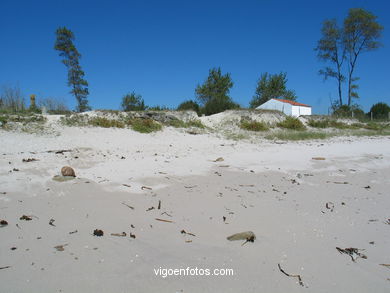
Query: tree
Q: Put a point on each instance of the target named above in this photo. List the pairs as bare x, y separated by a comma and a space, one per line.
361, 34
189, 105
64, 44
271, 86
380, 111
330, 49
133, 102
213, 95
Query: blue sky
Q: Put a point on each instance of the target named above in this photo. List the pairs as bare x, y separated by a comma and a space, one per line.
163, 49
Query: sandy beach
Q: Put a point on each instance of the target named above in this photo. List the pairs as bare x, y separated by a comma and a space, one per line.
177, 197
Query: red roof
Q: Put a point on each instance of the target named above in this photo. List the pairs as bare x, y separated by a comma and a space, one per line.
292, 103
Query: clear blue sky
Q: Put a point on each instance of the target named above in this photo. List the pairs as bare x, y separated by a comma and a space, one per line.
163, 49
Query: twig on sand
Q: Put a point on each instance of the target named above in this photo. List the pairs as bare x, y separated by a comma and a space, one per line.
294, 276
128, 206
163, 220
6, 267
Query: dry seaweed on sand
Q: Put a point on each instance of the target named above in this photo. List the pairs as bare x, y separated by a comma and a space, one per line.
98, 232
163, 220
351, 251
186, 233
289, 275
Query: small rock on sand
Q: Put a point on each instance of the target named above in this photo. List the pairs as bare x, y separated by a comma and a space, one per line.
67, 171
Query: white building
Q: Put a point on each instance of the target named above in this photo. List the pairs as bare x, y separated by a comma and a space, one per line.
288, 107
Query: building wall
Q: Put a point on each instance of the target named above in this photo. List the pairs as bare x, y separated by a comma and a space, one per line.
299, 110
277, 105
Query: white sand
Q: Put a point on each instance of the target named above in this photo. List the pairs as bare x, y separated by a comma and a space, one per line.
275, 190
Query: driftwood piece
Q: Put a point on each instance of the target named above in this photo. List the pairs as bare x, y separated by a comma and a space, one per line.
186, 233
163, 220
128, 206
123, 234
289, 275
6, 267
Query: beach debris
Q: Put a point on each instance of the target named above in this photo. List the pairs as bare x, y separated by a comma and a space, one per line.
126, 185
149, 209
318, 158
67, 171
132, 226
3, 223
159, 205
3, 192
14, 248
248, 236
289, 275
188, 241
123, 234
72, 232
15, 170
190, 186
372, 242
146, 187
18, 226
224, 219
60, 247
128, 206
352, 252
61, 178
132, 235
51, 222
387, 222
163, 220
247, 185
6, 267
337, 182
220, 159
367, 187
25, 218
217, 173
385, 265
330, 206
165, 213
29, 160
59, 151
98, 232
186, 233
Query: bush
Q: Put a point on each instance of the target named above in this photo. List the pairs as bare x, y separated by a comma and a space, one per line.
217, 105
323, 123
380, 111
253, 125
106, 123
144, 125
189, 105
133, 102
292, 123
12, 100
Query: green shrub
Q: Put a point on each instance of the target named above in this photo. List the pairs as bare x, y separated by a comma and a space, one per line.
380, 111
189, 105
219, 104
195, 123
133, 102
181, 124
106, 123
323, 123
253, 125
144, 125
292, 123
